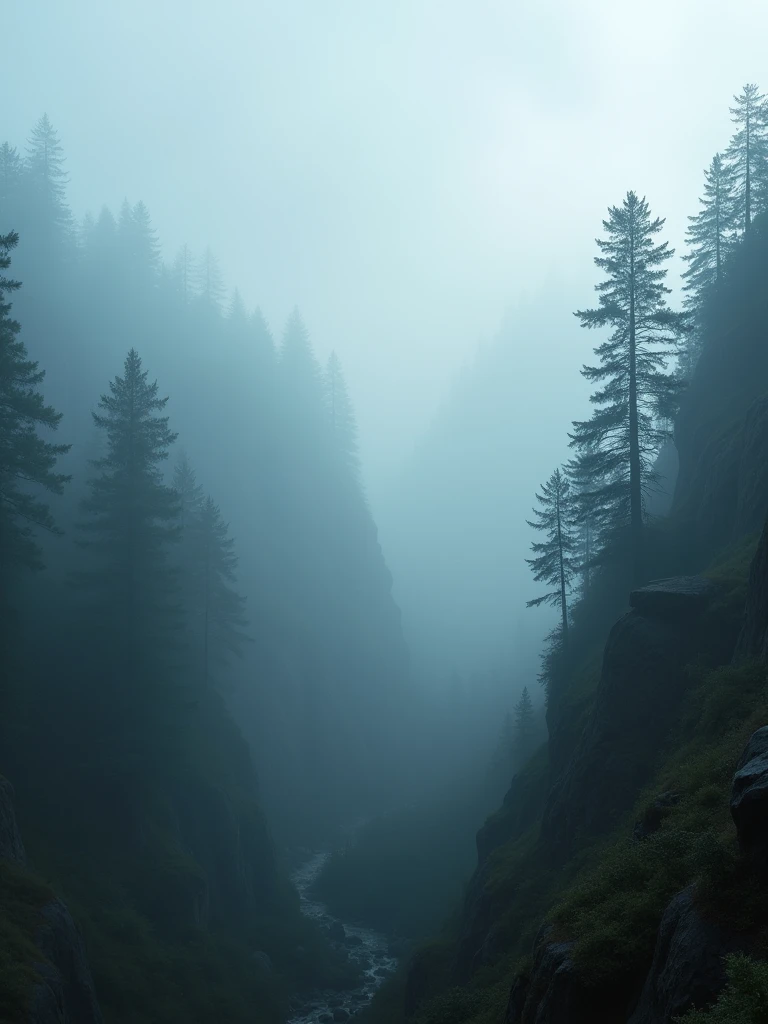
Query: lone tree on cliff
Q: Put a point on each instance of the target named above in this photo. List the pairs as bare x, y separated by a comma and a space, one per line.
637, 397
747, 155
553, 562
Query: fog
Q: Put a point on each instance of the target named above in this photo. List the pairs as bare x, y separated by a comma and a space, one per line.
406, 173
282, 623
403, 171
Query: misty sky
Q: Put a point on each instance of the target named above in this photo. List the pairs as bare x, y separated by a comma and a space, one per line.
401, 169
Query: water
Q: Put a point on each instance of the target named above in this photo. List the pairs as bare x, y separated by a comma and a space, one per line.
365, 947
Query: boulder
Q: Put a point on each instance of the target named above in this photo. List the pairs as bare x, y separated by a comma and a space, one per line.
264, 962
674, 598
340, 1015
749, 798
353, 940
336, 932
688, 968
11, 846
655, 814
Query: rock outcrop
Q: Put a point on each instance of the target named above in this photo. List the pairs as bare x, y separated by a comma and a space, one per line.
749, 799
753, 639
554, 993
688, 969
642, 685
479, 942
233, 850
65, 992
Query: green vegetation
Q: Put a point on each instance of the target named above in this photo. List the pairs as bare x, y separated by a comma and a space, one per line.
743, 1001
612, 911
22, 896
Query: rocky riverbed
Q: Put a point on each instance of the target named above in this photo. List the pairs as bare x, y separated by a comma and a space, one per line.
369, 949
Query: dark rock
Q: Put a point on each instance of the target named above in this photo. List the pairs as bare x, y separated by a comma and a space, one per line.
325, 1018
66, 992
264, 962
336, 932
520, 808
655, 814
677, 597
11, 846
353, 940
235, 854
722, 490
688, 969
555, 994
641, 688
340, 1015
749, 797
518, 995
753, 639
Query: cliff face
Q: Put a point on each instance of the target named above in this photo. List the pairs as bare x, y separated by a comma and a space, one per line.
619, 878
60, 987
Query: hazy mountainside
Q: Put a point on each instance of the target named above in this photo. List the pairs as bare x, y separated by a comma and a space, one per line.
327, 647
454, 521
628, 858
127, 640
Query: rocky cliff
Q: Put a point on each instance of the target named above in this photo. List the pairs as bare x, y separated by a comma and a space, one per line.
58, 987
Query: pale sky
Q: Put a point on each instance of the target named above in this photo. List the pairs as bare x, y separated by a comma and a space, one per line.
401, 169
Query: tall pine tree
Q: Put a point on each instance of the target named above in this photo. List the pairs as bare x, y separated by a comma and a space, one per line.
637, 395
47, 219
341, 415
747, 155
10, 185
27, 461
217, 616
131, 519
553, 558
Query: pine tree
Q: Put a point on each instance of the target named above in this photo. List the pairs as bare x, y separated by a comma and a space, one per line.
10, 184
302, 387
139, 247
210, 286
638, 397
217, 610
711, 237
711, 233
341, 415
25, 458
523, 713
132, 518
747, 156
553, 562
183, 274
47, 216
262, 342
585, 519
189, 493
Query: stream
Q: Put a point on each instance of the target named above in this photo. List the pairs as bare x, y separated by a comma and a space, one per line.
364, 946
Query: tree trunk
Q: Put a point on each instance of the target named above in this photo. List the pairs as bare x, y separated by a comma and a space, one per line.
563, 605
635, 482
747, 184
